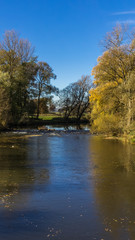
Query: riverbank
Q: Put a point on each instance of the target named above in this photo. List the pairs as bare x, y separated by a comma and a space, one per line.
124, 138
48, 119
44, 131
60, 130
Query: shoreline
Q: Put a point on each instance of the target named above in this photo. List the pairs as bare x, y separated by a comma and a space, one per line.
43, 130
40, 132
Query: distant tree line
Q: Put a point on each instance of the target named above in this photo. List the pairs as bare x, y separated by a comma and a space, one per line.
47, 105
113, 96
22, 79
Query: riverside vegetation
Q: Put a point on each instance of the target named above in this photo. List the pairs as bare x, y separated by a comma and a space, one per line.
113, 95
108, 101
22, 79
26, 89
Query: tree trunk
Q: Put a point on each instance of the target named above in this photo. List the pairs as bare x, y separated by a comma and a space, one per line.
38, 104
129, 113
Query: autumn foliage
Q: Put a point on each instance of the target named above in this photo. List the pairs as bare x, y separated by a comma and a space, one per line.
113, 95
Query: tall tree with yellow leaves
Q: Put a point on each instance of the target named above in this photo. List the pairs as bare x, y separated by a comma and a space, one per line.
113, 95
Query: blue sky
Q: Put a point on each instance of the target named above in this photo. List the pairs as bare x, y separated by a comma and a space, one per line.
66, 33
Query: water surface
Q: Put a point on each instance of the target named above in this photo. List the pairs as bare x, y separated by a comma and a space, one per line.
74, 186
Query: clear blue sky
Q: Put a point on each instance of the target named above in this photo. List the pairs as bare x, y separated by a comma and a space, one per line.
66, 33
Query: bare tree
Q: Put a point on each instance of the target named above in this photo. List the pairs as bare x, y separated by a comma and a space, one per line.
74, 99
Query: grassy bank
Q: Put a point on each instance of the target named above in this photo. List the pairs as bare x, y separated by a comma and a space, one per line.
60, 119
49, 119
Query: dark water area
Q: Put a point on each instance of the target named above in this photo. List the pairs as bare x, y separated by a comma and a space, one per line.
68, 187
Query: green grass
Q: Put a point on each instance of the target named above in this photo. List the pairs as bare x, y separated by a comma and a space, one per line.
54, 118
50, 116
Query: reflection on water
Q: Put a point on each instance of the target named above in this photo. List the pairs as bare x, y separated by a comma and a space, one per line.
114, 184
73, 186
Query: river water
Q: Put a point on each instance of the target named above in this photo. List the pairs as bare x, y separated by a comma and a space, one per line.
66, 187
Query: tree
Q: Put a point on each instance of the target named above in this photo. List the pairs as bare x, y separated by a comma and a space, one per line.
43, 85
74, 99
114, 84
43, 108
52, 104
81, 90
4, 101
17, 61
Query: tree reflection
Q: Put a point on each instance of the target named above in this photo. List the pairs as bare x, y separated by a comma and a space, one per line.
114, 178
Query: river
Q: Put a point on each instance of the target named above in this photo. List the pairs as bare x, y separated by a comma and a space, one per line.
66, 187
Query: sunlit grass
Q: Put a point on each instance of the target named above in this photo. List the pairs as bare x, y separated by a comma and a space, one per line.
49, 116
56, 117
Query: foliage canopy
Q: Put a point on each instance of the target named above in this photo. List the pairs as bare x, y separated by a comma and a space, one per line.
113, 95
